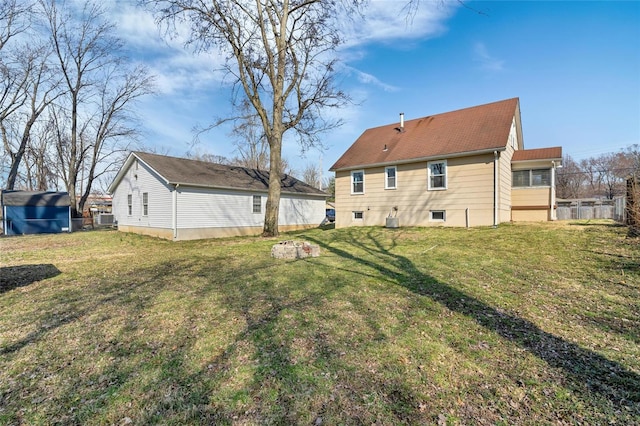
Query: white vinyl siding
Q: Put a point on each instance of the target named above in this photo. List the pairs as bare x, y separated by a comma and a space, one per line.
216, 208
135, 183
187, 212
297, 210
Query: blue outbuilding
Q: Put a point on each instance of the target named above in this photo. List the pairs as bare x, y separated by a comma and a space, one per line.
26, 212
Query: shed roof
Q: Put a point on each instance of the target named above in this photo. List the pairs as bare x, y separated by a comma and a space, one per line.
35, 198
183, 171
552, 153
469, 130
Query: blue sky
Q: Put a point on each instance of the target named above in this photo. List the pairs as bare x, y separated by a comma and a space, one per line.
575, 66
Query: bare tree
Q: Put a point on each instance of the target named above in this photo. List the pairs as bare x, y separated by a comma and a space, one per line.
612, 169
280, 57
39, 167
208, 157
14, 19
41, 90
249, 139
100, 89
570, 179
312, 175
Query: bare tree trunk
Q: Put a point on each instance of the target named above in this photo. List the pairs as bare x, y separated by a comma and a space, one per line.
272, 208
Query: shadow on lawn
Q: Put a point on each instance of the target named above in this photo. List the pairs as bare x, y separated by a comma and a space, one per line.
581, 367
19, 276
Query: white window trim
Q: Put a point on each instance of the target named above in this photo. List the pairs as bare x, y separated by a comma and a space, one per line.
253, 204
145, 204
354, 218
446, 175
386, 177
352, 173
129, 204
444, 216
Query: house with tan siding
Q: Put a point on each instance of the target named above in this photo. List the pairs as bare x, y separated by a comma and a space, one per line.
460, 168
181, 199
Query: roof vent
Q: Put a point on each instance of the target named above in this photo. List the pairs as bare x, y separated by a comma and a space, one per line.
402, 122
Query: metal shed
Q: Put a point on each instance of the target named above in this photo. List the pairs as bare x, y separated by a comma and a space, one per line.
26, 212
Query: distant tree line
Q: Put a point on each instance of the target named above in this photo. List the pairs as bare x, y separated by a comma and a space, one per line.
604, 176
67, 94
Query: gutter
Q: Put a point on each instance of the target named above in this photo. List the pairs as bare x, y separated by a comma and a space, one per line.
496, 164
175, 211
253, 191
552, 212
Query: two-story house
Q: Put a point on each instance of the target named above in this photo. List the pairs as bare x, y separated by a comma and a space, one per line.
460, 168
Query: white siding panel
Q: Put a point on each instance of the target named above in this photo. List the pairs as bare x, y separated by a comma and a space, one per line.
211, 208
300, 211
136, 181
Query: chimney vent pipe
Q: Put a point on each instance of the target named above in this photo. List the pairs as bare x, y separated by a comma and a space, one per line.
402, 121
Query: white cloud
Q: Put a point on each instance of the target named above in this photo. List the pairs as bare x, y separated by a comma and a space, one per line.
387, 21
487, 61
368, 79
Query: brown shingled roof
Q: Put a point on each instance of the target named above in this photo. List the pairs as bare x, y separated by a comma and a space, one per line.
201, 173
553, 153
479, 128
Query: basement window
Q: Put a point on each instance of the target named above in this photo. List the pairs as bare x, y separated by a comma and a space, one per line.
437, 215
358, 215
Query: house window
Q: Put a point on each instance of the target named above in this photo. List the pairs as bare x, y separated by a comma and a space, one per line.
257, 204
357, 182
520, 178
130, 204
437, 171
437, 216
358, 215
529, 178
145, 204
390, 177
541, 177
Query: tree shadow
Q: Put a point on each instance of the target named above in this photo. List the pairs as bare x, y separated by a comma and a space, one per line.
12, 277
581, 367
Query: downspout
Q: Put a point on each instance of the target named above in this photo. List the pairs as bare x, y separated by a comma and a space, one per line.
175, 211
553, 213
495, 188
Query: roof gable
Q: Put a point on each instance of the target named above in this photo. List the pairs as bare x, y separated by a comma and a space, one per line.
465, 131
174, 170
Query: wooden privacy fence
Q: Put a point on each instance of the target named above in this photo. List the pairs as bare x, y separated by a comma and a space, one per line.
592, 209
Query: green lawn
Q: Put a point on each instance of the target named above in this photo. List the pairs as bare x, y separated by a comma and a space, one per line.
524, 324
